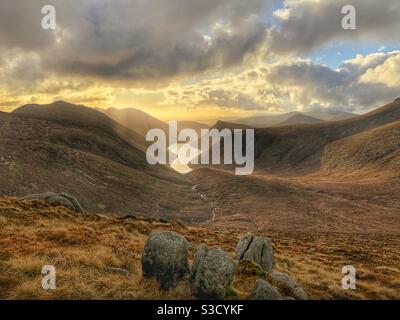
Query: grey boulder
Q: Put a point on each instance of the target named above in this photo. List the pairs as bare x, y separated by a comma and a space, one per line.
165, 257
62, 199
290, 286
212, 272
256, 249
264, 291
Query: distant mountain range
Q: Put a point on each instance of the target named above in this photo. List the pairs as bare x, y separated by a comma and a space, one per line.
299, 119
294, 118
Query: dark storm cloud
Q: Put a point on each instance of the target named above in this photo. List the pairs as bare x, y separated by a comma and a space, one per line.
136, 40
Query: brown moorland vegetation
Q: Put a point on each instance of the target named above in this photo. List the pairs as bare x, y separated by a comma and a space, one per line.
85, 249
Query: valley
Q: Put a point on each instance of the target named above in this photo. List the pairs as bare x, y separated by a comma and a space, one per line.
325, 193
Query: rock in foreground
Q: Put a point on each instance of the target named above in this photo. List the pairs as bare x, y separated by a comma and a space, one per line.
264, 291
289, 286
165, 257
62, 199
212, 273
256, 249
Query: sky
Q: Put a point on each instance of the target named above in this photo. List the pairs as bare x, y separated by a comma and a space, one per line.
201, 59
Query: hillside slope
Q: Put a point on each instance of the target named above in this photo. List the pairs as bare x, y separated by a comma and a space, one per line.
141, 122
340, 177
136, 120
80, 116
299, 148
374, 153
80, 151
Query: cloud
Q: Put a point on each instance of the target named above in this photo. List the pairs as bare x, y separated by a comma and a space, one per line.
359, 84
386, 73
134, 40
315, 84
309, 24
193, 53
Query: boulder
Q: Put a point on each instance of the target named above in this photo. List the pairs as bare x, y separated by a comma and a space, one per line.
299, 293
165, 257
256, 249
212, 273
397, 100
61, 199
290, 286
264, 291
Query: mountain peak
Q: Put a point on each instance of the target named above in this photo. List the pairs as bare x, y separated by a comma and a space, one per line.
298, 119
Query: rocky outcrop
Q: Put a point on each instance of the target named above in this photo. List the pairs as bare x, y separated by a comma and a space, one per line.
212, 273
264, 291
62, 199
256, 249
165, 257
289, 286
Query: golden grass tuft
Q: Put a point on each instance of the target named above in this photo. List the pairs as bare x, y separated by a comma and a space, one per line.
3, 221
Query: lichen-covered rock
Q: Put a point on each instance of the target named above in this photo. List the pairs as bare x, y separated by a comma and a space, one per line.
165, 257
212, 273
256, 249
62, 199
298, 293
264, 291
289, 286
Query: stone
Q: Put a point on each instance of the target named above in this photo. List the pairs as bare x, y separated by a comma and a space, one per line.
61, 199
264, 291
212, 273
298, 293
256, 249
290, 286
165, 257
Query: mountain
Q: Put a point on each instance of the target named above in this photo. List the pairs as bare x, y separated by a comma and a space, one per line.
77, 115
299, 119
62, 147
135, 119
341, 177
221, 125
264, 121
275, 120
141, 122
293, 148
330, 115
197, 126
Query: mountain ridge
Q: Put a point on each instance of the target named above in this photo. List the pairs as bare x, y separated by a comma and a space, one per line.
74, 149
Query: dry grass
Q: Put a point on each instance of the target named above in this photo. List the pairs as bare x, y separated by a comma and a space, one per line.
84, 248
